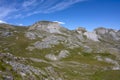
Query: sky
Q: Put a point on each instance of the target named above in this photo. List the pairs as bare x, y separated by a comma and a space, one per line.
71, 14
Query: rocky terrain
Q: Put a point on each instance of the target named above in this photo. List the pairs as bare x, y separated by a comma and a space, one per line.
48, 51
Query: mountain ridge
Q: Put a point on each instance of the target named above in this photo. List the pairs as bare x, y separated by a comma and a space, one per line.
48, 51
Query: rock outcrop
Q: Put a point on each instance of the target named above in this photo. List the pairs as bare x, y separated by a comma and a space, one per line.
52, 27
91, 35
110, 34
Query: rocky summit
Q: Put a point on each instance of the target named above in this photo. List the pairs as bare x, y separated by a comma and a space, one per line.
48, 51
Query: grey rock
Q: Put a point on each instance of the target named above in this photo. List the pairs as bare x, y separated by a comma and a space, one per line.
114, 35
8, 78
118, 33
48, 42
81, 30
30, 48
107, 34
6, 33
101, 30
30, 35
92, 35
42, 45
63, 54
51, 57
87, 49
72, 42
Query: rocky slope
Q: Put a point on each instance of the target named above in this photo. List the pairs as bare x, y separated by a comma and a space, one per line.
48, 51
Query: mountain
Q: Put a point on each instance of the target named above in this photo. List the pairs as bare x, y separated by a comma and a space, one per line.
48, 51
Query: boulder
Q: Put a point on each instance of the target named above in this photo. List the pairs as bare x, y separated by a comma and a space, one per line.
81, 30
101, 31
6, 33
51, 57
63, 54
91, 35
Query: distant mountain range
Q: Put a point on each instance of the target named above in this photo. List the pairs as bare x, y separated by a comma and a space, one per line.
48, 51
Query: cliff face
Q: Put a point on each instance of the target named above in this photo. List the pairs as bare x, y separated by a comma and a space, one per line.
48, 51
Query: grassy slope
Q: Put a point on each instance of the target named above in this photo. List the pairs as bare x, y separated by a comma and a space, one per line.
18, 48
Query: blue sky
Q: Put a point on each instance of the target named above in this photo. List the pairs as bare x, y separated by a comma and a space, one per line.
71, 13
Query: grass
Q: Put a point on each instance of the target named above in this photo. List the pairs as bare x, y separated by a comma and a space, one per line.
107, 75
2, 67
40, 65
87, 58
107, 55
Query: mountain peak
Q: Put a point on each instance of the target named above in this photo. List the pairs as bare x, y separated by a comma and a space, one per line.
48, 26
46, 22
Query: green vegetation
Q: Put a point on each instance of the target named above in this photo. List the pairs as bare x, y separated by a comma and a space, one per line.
107, 75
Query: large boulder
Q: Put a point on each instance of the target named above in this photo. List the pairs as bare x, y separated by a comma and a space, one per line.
101, 31
114, 35
63, 54
6, 33
91, 35
53, 57
81, 30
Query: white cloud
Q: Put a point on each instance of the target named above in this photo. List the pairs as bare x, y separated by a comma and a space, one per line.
20, 24
59, 22
4, 12
28, 3
1, 21
62, 5
21, 9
